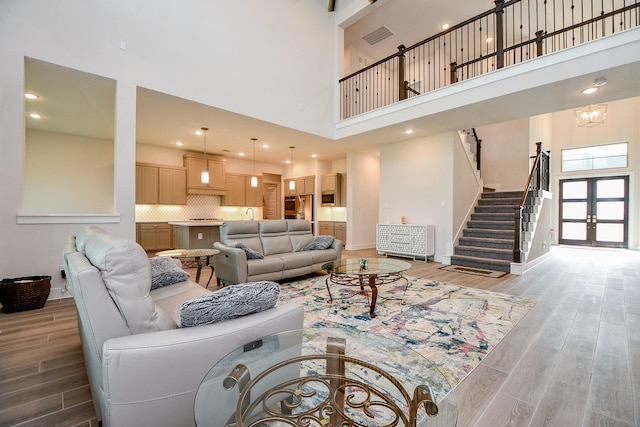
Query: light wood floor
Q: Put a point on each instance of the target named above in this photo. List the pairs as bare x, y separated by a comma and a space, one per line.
574, 360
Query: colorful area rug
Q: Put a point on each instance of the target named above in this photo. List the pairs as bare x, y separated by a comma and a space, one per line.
452, 326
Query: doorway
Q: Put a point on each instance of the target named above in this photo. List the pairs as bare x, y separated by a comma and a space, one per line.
594, 211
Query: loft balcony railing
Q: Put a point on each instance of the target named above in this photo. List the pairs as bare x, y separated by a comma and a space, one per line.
510, 33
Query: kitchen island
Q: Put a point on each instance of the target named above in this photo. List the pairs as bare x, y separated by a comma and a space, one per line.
196, 234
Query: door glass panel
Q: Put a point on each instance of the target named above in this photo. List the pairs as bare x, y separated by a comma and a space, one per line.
610, 188
610, 210
574, 190
574, 231
610, 233
574, 210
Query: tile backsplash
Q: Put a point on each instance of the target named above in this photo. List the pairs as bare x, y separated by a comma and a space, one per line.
198, 206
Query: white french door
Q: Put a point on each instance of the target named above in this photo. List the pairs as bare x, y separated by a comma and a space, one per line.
594, 211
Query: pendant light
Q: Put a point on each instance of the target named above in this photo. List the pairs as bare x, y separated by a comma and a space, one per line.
254, 178
204, 175
292, 182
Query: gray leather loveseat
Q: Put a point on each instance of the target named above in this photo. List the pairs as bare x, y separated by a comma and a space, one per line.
281, 243
143, 368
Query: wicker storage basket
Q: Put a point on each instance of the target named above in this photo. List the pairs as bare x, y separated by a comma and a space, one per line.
24, 293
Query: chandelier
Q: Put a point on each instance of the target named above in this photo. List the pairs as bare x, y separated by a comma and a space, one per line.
591, 115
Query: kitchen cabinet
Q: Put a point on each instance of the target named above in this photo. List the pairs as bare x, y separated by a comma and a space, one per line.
410, 240
155, 236
156, 184
146, 184
239, 191
304, 185
216, 167
172, 186
254, 195
337, 229
195, 236
329, 182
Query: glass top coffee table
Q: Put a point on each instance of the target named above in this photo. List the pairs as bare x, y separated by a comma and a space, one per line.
196, 254
372, 272
324, 377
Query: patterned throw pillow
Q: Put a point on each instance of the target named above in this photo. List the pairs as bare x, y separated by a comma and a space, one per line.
319, 243
165, 272
251, 254
229, 303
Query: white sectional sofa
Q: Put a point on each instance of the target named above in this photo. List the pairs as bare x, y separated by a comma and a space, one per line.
143, 368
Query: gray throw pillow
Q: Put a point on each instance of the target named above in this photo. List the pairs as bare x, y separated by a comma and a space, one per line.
251, 254
229, 303
165, 272
319, 243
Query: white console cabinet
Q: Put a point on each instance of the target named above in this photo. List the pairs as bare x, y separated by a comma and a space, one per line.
409, 240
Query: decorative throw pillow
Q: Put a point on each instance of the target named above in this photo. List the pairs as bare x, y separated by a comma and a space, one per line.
251, 254
320, 242
229, 303
165, 272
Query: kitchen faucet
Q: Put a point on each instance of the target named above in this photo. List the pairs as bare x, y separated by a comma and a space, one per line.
252, 214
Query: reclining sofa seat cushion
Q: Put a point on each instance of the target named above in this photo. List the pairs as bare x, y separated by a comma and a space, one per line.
299, 233
275, 237
126, 272
246, 232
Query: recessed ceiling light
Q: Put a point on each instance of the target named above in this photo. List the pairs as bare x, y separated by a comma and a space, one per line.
408, 131
198, 132
445, 26
590, 90
35, 116
241, 154
179, 144
287, 161
265, 145
30, 96
489, 39
314, 155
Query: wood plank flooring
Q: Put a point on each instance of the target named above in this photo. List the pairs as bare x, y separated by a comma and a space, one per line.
574, 360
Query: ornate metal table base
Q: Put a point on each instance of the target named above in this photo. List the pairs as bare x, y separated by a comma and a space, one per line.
373, 281
329, 399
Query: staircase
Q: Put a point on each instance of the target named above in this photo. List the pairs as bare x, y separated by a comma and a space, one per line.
487, 242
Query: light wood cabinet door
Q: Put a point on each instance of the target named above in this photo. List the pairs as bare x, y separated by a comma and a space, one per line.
146, 184
340, 231
328, 182
254, 196
326, 228
287, 189
236, 190
309, 185
155, 236
216, 168
172, 186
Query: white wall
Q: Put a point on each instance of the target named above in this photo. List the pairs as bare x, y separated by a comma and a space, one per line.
622, 124
363, 182
416, 181
505, 154
205, 51
467, 187
50, 171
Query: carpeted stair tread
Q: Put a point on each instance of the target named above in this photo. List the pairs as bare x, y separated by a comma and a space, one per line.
486, 263
507, 209
489, 233
493, 216
490, 225
502, 195
492, 253
486, 242
499, 201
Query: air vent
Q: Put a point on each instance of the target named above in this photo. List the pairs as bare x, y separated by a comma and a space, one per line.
377, 35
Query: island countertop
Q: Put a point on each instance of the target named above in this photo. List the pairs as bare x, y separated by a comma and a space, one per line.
197, 223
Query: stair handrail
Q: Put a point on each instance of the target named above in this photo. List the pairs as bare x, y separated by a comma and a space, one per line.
538, 180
